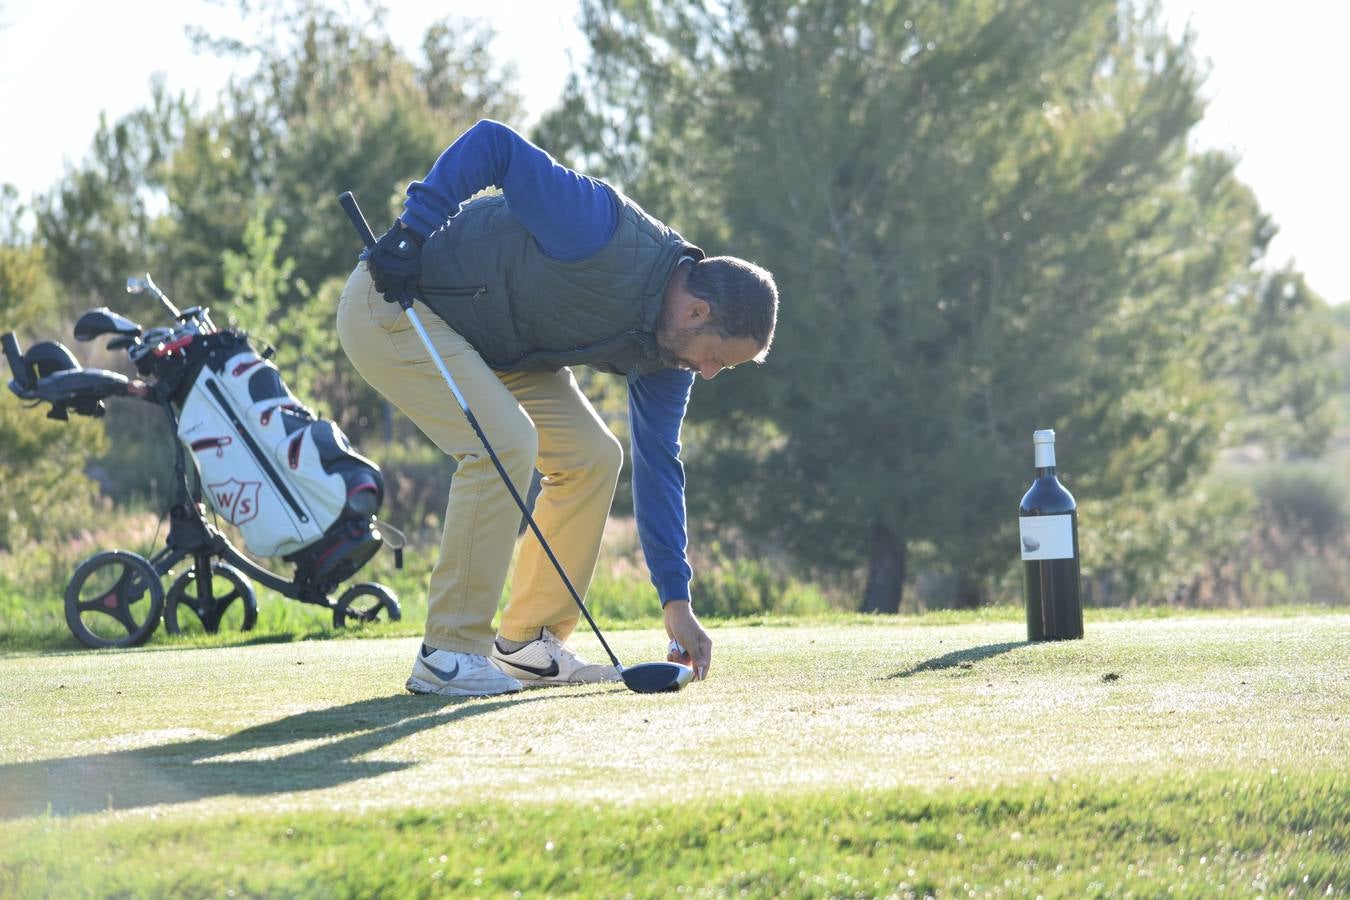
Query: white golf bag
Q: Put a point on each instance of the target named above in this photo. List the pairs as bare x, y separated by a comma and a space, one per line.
281, 476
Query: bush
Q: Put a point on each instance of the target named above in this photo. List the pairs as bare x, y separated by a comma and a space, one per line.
1146, 548
1291, 546
1306, 500
44, 494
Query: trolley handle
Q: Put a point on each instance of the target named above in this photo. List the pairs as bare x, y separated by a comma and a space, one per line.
23, 376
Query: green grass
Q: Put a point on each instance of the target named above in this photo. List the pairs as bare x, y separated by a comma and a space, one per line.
1199, 754
1217, 834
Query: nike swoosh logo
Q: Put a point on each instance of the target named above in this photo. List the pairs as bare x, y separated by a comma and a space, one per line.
535, 670
442, 674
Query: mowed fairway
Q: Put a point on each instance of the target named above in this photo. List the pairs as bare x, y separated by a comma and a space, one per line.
1202, 753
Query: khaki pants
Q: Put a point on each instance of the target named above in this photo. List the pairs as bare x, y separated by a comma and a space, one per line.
532, 419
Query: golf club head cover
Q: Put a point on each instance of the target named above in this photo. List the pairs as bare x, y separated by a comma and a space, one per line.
396, 264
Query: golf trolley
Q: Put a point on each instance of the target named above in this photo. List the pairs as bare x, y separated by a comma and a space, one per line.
290, 482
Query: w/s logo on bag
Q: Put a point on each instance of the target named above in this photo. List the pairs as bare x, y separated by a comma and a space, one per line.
236, 500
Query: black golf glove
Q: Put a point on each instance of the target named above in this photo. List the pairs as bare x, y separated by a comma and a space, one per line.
396, 264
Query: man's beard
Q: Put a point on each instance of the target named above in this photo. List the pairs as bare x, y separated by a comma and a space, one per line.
673, 343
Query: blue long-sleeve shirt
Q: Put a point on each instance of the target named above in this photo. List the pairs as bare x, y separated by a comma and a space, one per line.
572, 216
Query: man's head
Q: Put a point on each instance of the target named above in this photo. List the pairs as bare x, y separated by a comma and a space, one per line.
718, 313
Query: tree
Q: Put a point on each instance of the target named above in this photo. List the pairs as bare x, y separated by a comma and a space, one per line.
102, 221
235, 206
43, 489
1288, 377
984, 220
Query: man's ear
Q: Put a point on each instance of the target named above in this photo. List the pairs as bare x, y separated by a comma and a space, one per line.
698, 311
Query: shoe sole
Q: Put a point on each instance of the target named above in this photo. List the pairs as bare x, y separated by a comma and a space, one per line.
418, 686
533, 683
529, 682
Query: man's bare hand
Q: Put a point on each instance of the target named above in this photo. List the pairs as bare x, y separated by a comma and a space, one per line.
694, 645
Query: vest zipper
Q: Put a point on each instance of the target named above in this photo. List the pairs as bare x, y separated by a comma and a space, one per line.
473, 293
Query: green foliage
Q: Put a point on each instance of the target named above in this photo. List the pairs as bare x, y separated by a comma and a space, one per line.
44, 492
984, 220
235, 207
1305, 499
738, 585
281, 311
1296, 548
27, 293
1243, 538
1336, 322
101, 222
332, 106
1161, 550
983, 217
256, 279
729, 587
1287, 374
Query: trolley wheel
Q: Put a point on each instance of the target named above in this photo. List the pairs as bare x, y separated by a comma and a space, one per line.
114, 599
362, 603
195, 605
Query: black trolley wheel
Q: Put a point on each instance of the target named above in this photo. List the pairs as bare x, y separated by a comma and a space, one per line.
195, 605
363, 603
114, 599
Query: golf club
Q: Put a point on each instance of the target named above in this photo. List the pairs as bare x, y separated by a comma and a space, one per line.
644, 678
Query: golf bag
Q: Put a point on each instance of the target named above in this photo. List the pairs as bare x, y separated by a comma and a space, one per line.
290, 482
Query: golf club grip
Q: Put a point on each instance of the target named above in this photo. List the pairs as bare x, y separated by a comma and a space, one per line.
348, 201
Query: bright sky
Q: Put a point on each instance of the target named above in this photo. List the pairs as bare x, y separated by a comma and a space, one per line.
1278, 76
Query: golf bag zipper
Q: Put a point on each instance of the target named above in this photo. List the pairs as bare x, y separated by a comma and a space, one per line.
212, 443
263, 461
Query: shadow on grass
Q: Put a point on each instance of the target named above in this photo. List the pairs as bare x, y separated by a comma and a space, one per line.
959, 659
181, 771
173, 644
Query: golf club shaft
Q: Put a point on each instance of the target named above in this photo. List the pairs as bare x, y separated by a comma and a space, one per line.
368, 237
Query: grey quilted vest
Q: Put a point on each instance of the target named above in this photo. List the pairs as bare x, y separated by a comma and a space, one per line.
486, 277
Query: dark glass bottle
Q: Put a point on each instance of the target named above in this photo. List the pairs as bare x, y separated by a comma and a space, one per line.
1048, 534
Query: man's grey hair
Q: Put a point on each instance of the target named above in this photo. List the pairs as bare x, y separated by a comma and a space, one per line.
742, 295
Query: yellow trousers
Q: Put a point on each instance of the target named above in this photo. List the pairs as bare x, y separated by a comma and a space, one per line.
532, 419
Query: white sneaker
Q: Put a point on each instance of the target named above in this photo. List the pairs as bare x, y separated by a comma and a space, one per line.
458, 675
548, 660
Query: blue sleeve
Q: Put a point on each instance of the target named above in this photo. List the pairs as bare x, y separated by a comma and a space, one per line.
656, 405
571, 216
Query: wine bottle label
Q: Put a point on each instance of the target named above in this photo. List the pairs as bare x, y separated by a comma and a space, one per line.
1046, 537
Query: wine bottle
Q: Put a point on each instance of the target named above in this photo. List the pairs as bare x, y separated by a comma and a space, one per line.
1048, 526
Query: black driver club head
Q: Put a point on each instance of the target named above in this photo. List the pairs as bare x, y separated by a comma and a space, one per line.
656, 677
